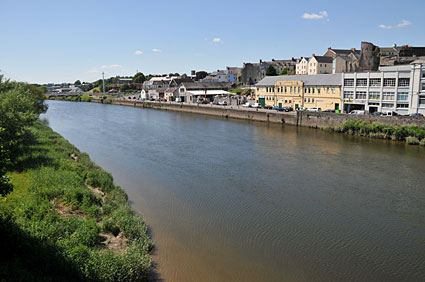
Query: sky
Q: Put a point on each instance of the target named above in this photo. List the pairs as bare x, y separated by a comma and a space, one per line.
62, 41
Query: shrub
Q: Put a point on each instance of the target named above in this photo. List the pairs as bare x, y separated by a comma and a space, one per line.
412, 141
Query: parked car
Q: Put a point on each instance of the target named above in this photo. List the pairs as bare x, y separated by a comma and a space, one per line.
376, 114
223, 103
302, 109
417, 115
314, 109
276, 108
329, 111
357, 112
267, 107
287, 109
391, 113
256, 105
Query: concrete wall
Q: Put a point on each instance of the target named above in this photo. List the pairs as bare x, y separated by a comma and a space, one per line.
316, 120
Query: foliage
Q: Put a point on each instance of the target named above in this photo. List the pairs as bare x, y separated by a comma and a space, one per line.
77, 82
411, 134
271, 71
139, 78
56, 221
20, 106
85, 98
286, 71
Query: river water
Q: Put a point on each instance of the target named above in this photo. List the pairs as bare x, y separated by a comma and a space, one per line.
231, 200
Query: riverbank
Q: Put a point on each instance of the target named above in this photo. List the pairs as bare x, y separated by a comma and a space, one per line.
65, 220
305, 119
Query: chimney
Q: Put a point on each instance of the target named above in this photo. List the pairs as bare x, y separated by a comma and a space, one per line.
329, 48
353, 49
313, 55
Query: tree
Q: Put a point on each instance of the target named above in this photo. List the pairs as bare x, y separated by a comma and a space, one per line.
78, 82
20, 106
139, 78
271, 71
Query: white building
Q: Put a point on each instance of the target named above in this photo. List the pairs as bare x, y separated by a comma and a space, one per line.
302, 66
398, 89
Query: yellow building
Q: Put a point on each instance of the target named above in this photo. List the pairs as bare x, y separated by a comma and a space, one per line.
322, 91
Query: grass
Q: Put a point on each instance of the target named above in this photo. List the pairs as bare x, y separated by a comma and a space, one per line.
413, 135
54, 224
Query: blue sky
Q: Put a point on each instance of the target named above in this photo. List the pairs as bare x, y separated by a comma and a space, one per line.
62, 41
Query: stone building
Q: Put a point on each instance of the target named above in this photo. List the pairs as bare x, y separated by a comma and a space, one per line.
369, 57
344, 60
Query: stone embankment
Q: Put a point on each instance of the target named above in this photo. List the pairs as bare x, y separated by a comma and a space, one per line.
308, 119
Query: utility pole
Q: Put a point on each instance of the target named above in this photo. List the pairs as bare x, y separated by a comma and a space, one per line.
103, 81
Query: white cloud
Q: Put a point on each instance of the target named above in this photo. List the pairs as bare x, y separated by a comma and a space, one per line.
216, 40
403, 23
111, 67
138, 52
321, 15
385, 26
156, 50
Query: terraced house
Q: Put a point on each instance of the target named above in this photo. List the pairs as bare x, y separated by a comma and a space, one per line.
321, 90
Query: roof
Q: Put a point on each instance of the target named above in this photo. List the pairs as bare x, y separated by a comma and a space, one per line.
344, 51
205, 85
209, 92
318, 79
324, 59
387, 49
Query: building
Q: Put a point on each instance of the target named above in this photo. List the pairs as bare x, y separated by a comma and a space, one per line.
319, 65
344, 60
155, 88
302, 66
192, 92
399, 89
253, 72
322, 90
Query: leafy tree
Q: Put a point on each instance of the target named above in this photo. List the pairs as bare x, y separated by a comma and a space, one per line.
139, 78
285, 71
77, 82
20, 106
271, 71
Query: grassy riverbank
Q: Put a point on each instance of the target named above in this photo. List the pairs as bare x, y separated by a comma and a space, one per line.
65, 220
413, 135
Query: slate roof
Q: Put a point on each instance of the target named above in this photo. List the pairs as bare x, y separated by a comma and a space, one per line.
205, 85
318, 79
324, 59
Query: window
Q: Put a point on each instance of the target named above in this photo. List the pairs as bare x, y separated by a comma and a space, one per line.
333, 89
388, 82
361, 95
361, 82
327, 90
387, 105
290, 101
374, 95
388, 96
286, 101
403, 82
290, 89
312, 100
348, 82
375, 82
348, 95
373, 104
320, 65
402, 96
312, 90
423, 86
402, 106
422, 102
318, 90
309, 100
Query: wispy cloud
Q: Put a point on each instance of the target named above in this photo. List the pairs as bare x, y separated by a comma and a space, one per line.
313, 16
216, 40
403, 23
111, 67
156, 50
138, 52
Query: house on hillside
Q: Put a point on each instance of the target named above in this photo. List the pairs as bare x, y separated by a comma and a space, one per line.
195, 92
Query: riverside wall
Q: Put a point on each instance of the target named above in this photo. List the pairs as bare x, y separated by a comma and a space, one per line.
307, 119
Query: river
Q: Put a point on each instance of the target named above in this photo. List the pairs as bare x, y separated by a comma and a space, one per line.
230, 200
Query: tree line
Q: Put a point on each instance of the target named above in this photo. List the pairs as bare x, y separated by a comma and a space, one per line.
20, 106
